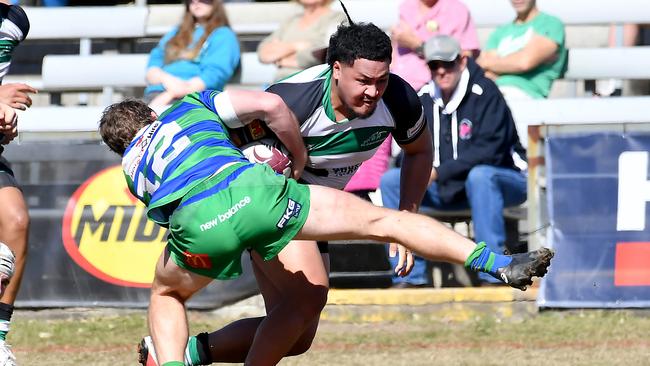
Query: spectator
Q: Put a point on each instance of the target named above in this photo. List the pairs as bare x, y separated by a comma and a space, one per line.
628, 35
418, 21
527, 55
202, 53
475, 148
300, 42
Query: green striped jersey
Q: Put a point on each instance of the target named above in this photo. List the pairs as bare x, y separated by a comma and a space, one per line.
337, 148
187, 144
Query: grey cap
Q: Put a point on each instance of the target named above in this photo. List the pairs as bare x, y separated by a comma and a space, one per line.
441, 48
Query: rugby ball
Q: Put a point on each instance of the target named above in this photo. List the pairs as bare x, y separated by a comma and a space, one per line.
269, 151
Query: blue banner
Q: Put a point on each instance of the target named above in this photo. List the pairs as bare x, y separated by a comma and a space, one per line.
598, 193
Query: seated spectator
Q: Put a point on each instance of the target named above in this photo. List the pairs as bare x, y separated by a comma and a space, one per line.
301, 41
202, 53
527, 55
628, 35
419, 20
475, 147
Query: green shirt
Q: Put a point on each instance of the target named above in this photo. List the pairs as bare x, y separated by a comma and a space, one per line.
513, 37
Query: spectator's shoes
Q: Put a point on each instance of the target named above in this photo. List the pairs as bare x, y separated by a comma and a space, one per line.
7, 357
146, 353
520, 272
7, 266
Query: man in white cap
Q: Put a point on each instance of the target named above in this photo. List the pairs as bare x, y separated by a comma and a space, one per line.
478, 161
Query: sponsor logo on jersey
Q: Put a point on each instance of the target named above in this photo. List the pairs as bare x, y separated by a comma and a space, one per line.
374, 139
256, 129
465, 129
105, 231
195, 260
346, 170
226, 215
292, 210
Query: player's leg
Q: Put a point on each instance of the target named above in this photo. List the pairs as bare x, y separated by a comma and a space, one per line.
300, 278
232, 342
14, 229
171, 288
337, 215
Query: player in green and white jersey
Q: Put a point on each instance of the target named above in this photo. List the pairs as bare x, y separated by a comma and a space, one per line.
184, 167
346, 109
14, 216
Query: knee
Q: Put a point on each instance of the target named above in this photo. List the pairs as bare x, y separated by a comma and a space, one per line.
479, 176
17, 221
310, 303
303, 344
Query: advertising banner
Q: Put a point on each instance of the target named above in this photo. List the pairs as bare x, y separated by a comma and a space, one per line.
90, 241
598, 193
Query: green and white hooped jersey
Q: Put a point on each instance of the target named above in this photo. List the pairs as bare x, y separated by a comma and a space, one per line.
186, 145
14, 26
337, 148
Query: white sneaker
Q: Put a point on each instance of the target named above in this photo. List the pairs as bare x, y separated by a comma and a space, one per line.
7, 266
7, 357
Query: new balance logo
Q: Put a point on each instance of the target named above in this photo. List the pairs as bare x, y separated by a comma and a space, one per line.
292, 210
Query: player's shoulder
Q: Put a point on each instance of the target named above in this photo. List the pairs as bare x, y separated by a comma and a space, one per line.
399, 94
14, 16
303, 92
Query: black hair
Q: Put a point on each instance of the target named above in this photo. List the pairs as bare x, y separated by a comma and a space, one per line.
359, 40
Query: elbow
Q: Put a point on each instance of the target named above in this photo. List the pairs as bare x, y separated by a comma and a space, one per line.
264, 55
525, 64
271, 102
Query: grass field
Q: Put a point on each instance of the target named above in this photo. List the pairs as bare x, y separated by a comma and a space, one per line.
109, 337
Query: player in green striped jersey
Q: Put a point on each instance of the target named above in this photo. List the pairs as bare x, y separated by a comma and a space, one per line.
14, 216
184, 167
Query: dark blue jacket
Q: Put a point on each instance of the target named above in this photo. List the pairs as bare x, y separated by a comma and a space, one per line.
485, 131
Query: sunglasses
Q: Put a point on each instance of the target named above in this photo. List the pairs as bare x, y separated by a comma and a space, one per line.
209, 2
447, 65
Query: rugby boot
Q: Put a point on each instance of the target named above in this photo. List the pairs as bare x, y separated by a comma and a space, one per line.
520, 271
146, 353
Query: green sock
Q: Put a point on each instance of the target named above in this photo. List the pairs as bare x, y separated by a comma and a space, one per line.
193, 351
173, 363
198, 350
483, 259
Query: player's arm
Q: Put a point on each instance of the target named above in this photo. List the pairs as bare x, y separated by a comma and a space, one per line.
416, 170
412, 134
240, 107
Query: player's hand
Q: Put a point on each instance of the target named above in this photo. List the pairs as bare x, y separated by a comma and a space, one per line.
161, 100
8, 124
16, 95
405, 259
405, 36
177, 87
298, 165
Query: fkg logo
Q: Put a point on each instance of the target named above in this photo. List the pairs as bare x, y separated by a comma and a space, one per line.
292, 210
633, 191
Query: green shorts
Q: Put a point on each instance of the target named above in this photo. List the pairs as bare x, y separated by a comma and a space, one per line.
215, 222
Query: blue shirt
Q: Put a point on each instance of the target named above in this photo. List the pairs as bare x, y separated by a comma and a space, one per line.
215, 64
